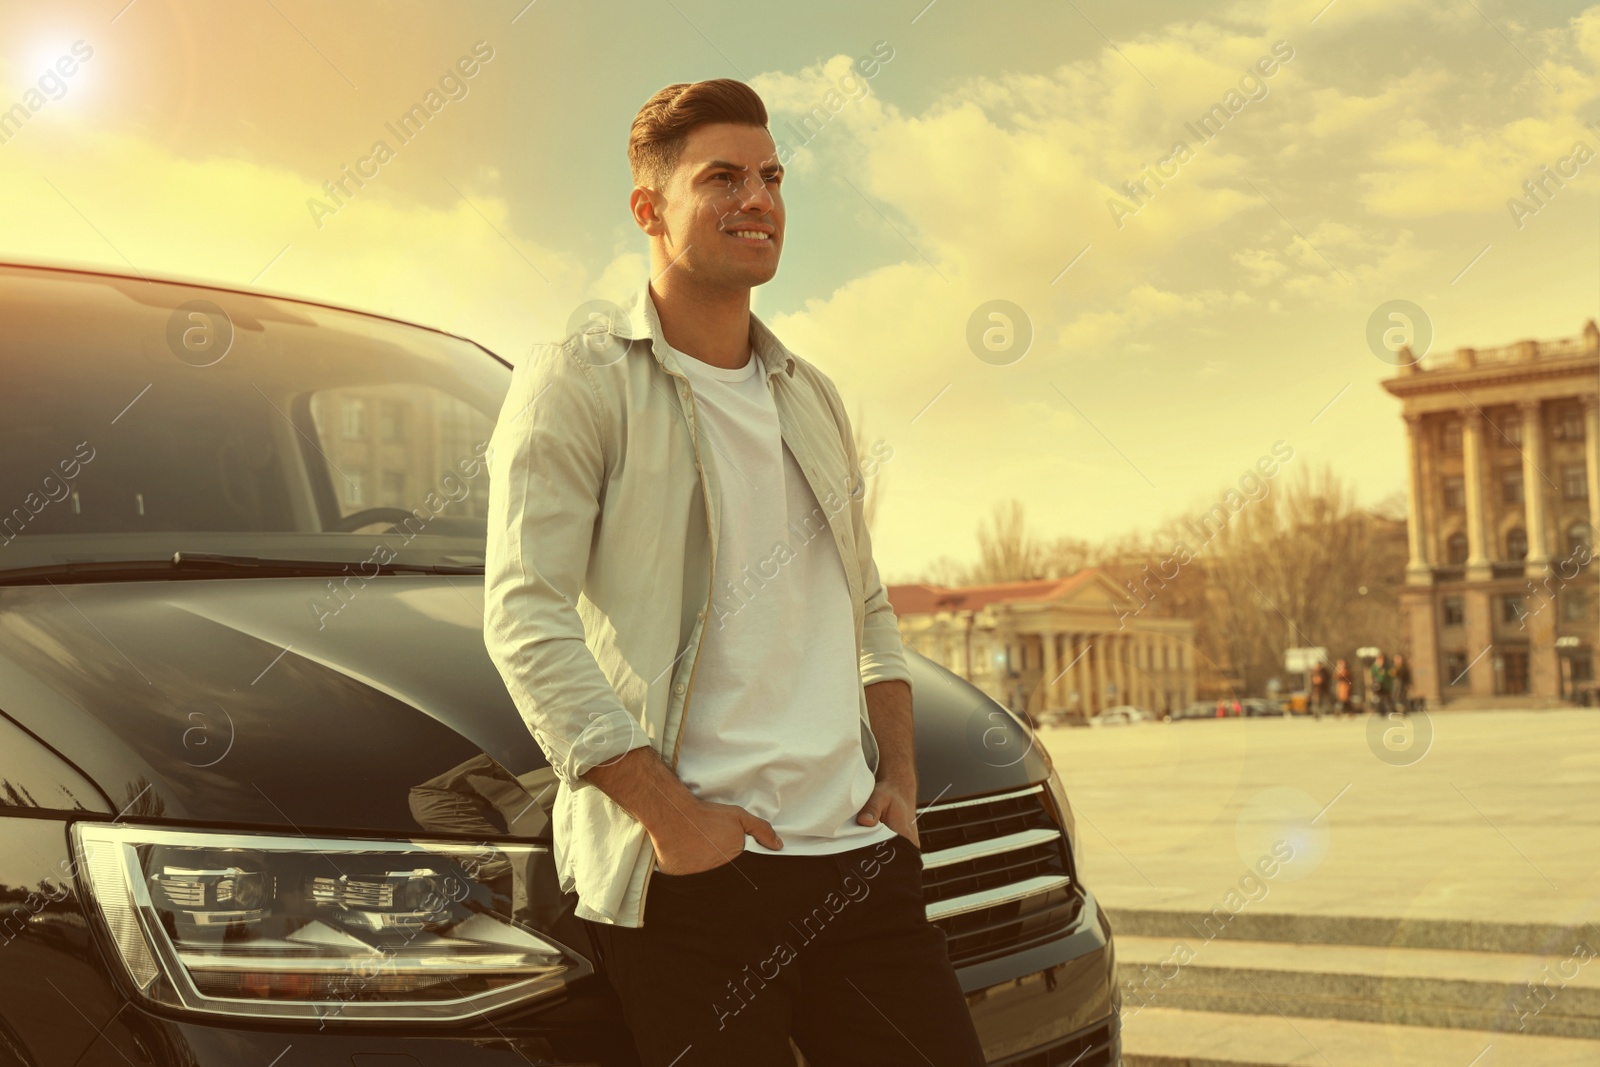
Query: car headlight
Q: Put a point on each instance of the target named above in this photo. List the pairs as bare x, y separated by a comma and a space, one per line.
1057, 793
293, 927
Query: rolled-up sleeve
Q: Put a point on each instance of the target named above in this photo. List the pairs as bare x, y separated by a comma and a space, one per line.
883, 654
547, 467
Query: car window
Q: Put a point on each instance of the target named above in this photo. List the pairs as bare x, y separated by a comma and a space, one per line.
390, 446
139, 418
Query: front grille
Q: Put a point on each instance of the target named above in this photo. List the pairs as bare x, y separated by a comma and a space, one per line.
996, 875
1095, 1047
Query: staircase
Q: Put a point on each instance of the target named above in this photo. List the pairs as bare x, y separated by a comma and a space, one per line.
1284, 989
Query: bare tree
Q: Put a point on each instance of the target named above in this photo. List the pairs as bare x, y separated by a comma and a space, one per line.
1007, 550
1301, 566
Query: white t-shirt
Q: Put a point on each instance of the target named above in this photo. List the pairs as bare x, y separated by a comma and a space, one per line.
774, 722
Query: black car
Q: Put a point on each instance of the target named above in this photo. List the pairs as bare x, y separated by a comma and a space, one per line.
1257, 708
263, 796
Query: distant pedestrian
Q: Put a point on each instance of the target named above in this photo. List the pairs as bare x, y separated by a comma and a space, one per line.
1402, 684
1320, 681
1381, 686
1222, 707
1344, 682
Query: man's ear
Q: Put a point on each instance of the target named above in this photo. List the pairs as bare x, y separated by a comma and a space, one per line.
643, 205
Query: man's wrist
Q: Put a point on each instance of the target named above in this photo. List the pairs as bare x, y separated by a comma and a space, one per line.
900, 774
642, 784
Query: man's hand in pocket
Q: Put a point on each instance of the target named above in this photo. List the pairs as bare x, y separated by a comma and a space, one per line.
895, 805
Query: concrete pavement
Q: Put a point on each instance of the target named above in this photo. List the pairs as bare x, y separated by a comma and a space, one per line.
1417, 891
1497, 818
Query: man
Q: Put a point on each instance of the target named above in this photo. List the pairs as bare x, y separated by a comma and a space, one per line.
1381, 681
681, 597
1320, 679
1402, 684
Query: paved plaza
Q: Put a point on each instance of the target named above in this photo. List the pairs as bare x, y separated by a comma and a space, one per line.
1355, 891
1497, 817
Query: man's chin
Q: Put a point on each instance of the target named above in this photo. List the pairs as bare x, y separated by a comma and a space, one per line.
743, 276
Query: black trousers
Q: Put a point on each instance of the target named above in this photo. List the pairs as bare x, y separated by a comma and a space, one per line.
835, 950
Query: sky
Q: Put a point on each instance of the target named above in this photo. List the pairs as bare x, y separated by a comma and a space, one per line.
1364, 151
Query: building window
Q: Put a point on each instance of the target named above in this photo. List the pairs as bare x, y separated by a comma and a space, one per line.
1575, 482
1511, 609
1579, 534
1455, 668
1450, 436
1455, 493
1516, 543
1568, 424
353, 415
394, 487
392, 420
355, 488
1511, 430
1582, 666
1574, 605
1454, 611
1511, 486
1455, 549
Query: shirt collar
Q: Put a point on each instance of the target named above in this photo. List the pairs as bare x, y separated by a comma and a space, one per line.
640, 320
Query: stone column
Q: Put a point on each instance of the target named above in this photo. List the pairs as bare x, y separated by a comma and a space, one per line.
1477, 514
1591, 462
1047, 699
1064, 689
1533, 466
1418, 569
1186, 671
1139, 669
1075, 674
1163, 669
1480, 680
1119, 667
1108, 645
1420, 625
1095, 664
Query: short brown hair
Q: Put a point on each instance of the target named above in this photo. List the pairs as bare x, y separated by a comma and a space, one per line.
662, 126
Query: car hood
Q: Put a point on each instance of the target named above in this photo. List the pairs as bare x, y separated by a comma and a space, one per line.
246, 702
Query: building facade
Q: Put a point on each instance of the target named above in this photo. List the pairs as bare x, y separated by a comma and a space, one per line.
1503, 501
1052, 646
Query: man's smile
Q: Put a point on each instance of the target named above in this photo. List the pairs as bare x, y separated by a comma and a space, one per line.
751, 233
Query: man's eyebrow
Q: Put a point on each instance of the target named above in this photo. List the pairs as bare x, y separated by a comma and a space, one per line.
723, 164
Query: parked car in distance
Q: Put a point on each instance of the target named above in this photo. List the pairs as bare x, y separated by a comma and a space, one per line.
263, 794
1200, 709
1122, 715
1257, 707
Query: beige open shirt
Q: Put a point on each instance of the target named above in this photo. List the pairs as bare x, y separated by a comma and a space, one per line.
599, 566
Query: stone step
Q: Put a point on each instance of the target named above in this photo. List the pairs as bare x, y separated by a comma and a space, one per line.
1168, 1037
1248, 925
1555, 995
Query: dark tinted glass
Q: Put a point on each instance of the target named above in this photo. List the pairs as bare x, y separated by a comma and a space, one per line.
140, 418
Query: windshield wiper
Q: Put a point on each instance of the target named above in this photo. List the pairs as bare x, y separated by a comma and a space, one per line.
191, 563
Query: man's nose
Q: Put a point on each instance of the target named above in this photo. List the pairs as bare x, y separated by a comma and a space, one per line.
754, 194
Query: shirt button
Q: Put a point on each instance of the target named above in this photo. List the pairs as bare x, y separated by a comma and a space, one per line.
678, 689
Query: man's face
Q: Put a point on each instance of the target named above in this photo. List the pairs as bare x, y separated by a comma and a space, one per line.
727, 181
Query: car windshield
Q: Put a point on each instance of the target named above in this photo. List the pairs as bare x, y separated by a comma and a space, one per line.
139, 419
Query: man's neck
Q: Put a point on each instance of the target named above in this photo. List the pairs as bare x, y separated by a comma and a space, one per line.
714, 331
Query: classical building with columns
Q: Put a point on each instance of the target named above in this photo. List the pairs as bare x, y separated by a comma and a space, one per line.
1070, 645
1503, 501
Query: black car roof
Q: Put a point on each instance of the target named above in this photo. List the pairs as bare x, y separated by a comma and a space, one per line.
193, 283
